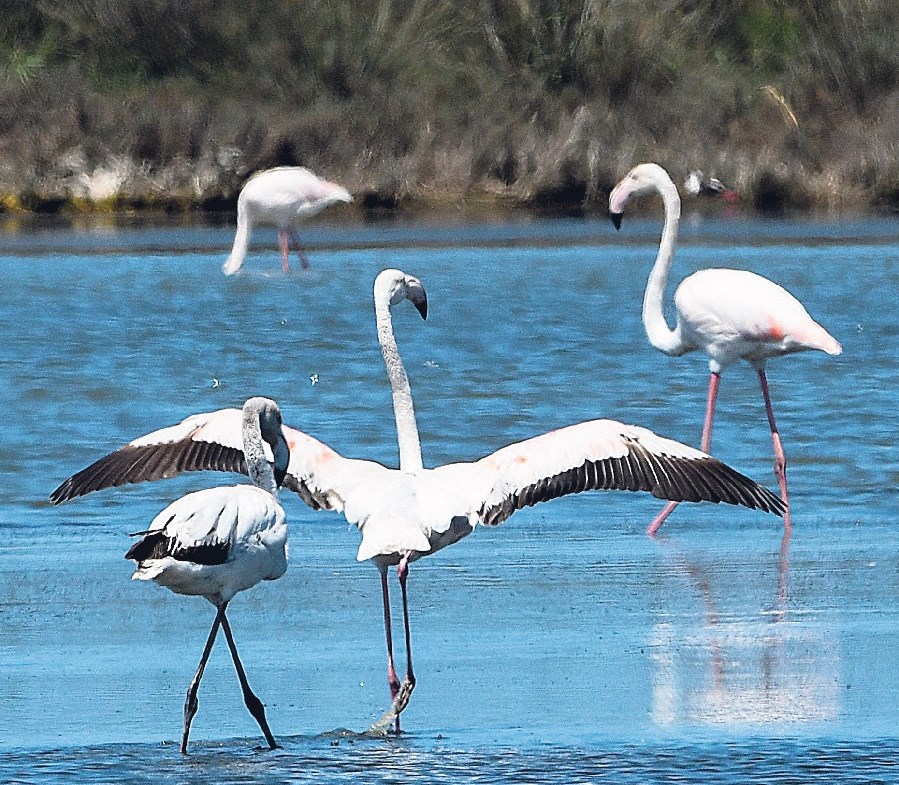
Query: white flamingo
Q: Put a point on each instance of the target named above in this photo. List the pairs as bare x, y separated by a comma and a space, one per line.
729, 314
280, 197
217, 542
412, 512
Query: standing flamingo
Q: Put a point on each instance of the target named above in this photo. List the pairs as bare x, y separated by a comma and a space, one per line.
217, 542
729, 314
280, 197
412, 512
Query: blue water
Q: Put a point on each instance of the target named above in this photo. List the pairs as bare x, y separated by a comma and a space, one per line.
563, 646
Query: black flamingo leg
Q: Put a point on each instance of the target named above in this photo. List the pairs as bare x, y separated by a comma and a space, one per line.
191, 704
253, 704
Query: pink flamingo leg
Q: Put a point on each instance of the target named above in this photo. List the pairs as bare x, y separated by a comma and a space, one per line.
393, 681
705, 446
282, 244
714, 383
783, 572
780, 461
399, 693
298, 247
660, 518
402, 571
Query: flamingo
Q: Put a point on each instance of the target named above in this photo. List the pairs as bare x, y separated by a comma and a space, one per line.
281, 197
696, 184
729, 314
217, 542
410, 512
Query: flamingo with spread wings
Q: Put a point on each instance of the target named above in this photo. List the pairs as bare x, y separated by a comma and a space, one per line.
412, 511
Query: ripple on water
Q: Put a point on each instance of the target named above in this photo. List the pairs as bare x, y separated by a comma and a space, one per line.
343, 758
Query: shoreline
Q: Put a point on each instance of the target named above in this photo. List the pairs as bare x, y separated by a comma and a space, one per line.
369, 205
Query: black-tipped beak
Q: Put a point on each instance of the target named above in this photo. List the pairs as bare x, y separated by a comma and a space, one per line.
616, 219
281, 454
421, 305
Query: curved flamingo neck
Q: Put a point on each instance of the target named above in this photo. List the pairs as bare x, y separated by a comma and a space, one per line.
660, 335
241, 243
260, 470
403, 411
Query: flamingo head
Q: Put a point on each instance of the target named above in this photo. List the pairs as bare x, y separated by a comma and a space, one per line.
641, 180
395, 286
272, 434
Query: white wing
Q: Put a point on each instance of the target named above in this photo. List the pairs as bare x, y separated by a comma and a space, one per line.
428, 510
214, 441
324, 478
740, 314
214, 542
225, 517
608, 455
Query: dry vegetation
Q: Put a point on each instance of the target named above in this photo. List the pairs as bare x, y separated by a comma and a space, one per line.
171, 103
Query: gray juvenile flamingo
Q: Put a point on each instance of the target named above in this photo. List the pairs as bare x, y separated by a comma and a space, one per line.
220, 541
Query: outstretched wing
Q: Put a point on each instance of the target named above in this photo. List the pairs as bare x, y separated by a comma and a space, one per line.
214, 441
607, 455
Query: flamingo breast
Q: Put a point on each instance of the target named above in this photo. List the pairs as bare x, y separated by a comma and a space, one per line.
421, 512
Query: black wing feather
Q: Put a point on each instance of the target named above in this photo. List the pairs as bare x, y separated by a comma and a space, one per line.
132, 464
664, 476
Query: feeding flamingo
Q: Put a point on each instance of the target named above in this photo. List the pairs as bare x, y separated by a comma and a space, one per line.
280, 197
411, 512
729, 314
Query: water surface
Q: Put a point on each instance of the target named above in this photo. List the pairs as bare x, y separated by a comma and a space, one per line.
561, 646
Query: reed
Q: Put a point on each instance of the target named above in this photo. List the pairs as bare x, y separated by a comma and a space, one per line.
405, 101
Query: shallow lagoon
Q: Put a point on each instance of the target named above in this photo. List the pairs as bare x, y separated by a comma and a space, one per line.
564, 643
